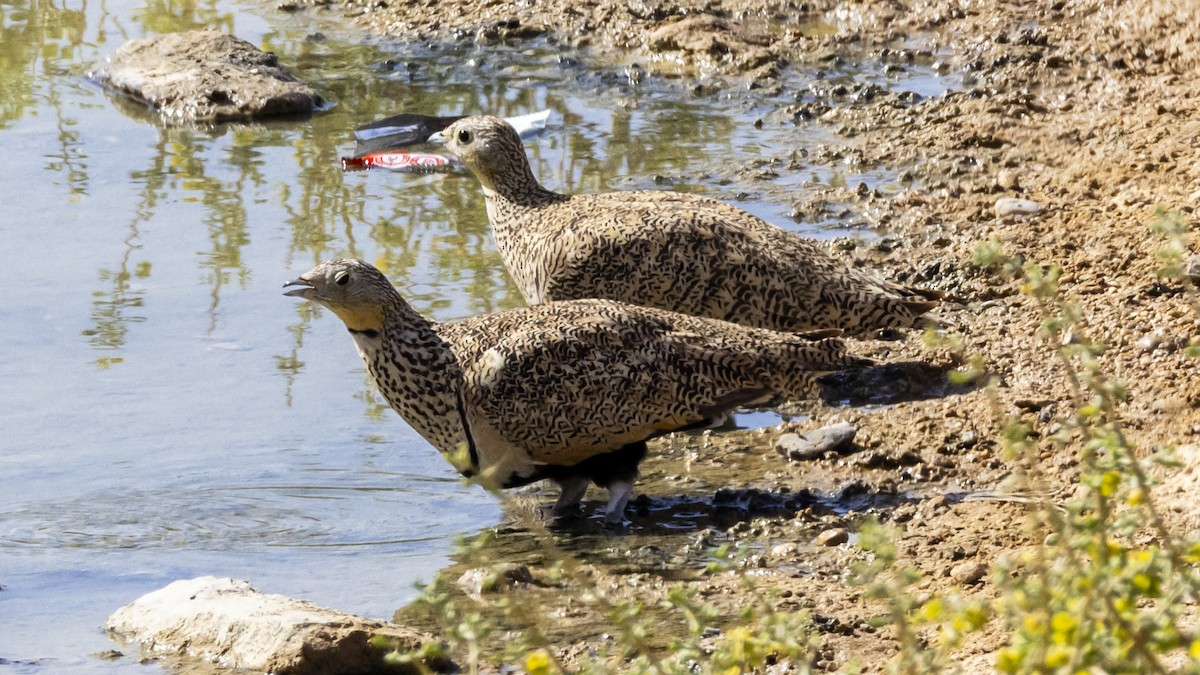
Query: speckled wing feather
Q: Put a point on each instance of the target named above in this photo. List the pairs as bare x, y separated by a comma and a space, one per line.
696, 255
566, 381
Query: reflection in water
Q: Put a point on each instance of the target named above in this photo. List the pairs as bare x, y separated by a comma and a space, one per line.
110, 309
156, 17
290, 365
217, 445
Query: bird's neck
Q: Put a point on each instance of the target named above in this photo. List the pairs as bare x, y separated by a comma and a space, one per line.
513, 199
512, 181
416, 371
524, 229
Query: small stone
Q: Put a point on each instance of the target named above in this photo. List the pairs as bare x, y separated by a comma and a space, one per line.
1010, 206
968, 573
482, 580
785, 550
887, 244
1192, 271
833, 537
1006, 179
1150, 342
814, 444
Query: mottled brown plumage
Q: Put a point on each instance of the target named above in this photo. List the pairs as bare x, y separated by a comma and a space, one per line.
675, 251
569, 391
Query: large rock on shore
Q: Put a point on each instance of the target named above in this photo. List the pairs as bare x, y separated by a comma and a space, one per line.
225, 621
206, 77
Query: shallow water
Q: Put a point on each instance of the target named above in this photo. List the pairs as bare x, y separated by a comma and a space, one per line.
166, 412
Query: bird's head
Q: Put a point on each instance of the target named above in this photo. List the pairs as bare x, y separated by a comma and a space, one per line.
354, 290
490, 148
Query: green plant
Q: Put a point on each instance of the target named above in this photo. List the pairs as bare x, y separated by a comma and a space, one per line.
1108, 587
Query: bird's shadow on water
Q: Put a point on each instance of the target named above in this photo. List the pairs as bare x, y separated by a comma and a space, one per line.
891, 383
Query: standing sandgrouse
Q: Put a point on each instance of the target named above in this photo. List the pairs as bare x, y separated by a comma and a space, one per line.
681, 252
568, 391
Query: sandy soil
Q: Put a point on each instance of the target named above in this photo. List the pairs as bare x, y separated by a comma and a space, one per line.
1087, 107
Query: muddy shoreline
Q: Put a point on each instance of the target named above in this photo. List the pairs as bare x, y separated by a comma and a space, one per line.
1084, 108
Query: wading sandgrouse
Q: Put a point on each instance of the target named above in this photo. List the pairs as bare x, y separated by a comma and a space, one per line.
567, 391
680, 252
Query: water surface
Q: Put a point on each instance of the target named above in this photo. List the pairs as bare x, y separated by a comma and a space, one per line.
166, 412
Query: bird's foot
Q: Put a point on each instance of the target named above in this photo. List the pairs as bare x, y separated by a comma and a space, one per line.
558, 516
614, 521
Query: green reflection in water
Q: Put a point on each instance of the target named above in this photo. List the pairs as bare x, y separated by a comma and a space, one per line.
253, 183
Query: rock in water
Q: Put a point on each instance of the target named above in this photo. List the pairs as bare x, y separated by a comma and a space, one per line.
206, 77
221, 620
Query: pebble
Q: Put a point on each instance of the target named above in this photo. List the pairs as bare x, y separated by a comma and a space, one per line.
1193, 268
1009, 206
785, 550
938, 503
482, 580
833, 536
1149, 342
814, 444
1007, 179
969, 572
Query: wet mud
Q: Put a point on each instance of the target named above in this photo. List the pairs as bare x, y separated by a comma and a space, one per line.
1085, 108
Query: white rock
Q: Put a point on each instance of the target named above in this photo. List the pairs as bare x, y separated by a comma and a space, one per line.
1007, 206
480, 580
814, 444
226, 621
784, 550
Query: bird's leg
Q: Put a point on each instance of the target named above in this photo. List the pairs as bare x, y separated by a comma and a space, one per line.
617, 472
573, 489
618, 496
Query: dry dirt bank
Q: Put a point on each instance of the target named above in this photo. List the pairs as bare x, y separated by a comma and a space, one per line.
1086, 107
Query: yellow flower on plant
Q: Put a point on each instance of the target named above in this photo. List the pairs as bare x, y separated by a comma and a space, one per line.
537, 662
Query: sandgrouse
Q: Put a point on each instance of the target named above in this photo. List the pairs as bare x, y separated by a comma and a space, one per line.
567, 391
681, 252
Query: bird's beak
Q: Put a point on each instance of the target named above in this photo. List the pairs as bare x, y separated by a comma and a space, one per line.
300, 288
437, 139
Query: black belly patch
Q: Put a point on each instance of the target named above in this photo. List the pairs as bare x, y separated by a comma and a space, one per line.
619, 465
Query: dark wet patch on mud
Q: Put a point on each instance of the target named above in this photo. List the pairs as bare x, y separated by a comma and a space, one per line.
892, 383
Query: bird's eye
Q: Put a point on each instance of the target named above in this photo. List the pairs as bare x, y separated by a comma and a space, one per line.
464, 136
341, 278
